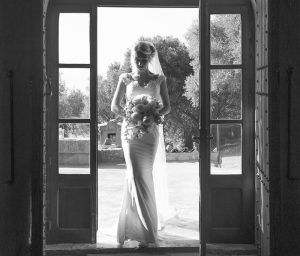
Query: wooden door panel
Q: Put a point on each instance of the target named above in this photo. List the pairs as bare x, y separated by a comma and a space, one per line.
226, 208
74, 207
226, 221
230, 178
71, 173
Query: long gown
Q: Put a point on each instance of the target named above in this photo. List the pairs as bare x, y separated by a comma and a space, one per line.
138, 218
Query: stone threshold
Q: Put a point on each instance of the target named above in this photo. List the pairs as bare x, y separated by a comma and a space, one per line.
97, 250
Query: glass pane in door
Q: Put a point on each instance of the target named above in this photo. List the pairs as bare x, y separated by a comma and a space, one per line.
74, 93
225, 93
74, 148
74, 38
225, 39
226, 149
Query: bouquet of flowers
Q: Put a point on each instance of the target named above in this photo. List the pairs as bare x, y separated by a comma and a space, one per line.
141, 112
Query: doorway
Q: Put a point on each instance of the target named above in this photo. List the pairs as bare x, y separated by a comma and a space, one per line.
162, 27
229, 167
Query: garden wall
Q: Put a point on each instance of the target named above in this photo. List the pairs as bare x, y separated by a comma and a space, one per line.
76, 152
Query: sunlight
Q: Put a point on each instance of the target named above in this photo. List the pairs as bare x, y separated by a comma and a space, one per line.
182, 176
115, 38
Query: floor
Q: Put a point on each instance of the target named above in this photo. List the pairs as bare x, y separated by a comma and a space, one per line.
181, 230
96, 250
180, 235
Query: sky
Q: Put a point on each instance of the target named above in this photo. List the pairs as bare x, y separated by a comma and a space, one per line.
118, 29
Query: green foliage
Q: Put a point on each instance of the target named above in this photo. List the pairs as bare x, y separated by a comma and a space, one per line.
107, 87
226, 94
226, 39
174, 57
225, 49
175, 61
126, 67
192, 81
76, 103
106, 90
72, 104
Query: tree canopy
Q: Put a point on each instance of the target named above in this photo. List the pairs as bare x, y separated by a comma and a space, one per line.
225, 48
71, 102
181, 66
175, 62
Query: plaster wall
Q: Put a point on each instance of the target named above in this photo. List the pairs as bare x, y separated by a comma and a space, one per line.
290, 57
18, 53
284, 157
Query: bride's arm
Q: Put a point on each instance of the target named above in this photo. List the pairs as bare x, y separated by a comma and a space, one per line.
165, 98
118, 96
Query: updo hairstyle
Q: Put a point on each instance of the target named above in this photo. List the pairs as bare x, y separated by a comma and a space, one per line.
144, 48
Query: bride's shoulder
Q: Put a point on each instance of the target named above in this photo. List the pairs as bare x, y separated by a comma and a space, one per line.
126, 78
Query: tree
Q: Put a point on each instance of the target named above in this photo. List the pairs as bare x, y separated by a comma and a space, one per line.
72, 104
126, 67
225, 49
75, 101
182, 122
106, 89
226, 39
174, 57
64, 108
192, 81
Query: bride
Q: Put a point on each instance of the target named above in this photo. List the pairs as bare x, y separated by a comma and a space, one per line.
145, 200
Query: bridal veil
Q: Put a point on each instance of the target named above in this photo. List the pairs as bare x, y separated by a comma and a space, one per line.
164, 211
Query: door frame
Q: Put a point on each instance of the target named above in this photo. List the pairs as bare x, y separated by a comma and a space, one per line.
55, 179
204, 133
204, 50
246, 179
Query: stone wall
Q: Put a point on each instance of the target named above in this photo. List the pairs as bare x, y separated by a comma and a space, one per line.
76, 152
184, 156
114, 155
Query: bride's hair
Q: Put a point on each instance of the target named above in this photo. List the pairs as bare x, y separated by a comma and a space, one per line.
143, 47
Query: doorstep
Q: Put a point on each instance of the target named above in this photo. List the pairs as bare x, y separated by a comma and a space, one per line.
97, 250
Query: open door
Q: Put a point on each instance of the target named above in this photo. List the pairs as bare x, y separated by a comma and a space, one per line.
226, 134
227, 123
72, 166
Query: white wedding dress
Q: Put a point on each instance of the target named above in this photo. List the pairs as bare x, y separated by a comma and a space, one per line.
138, 219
